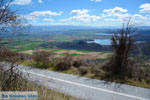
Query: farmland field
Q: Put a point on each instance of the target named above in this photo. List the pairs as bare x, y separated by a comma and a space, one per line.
73, 42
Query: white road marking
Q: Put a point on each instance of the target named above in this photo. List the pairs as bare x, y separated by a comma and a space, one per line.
104, 90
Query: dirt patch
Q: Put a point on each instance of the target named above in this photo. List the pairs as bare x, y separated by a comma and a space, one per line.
28, 52
69, 51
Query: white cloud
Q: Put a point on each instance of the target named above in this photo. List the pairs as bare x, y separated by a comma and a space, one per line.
28, 17
111, 19
145, 8
82, 15
138, 17
48, 20
115, 10
40, 16
44, 13
80, 12
118, 14
115, 14
22, 2
96, 0
40, 1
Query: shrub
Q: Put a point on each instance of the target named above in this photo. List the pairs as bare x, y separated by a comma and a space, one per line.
61, 66
68, 59
83, 70
95, 68
9, 56
17, 82
12, 81
41, 58
77, 63
64, 63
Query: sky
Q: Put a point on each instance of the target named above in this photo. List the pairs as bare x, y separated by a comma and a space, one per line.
83, 12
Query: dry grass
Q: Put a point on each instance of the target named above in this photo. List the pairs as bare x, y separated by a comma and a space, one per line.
14, 81
47, 94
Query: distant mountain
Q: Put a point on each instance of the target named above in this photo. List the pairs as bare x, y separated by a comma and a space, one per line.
55, 28
67, 27
144, 27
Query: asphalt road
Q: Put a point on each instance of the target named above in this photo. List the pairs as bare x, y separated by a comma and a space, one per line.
84, 88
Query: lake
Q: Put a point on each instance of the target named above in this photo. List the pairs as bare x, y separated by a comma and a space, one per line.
107, 41
101, 41
111, 34
107, 34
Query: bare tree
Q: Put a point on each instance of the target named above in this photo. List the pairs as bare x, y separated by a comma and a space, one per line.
122, 43
9, 22
7, 16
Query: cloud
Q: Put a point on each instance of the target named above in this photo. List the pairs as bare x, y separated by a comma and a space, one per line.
40, 16
82, 15
96, 0
44, 13
28, 17
40, 1
48, 20
115, 10
138, 17
115, 14
22, 2
80, 12
118, 14
111, 19
145, 8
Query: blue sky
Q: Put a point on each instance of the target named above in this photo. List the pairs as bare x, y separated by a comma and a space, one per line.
83, 12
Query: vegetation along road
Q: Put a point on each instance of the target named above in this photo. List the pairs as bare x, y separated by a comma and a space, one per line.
84, 88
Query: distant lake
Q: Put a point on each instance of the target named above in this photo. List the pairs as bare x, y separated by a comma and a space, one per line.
108, 34
111, 34
101, 41
106, 41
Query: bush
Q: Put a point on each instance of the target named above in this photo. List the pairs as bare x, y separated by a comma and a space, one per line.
9, 56
42, 59
12, 80
77, 63
83, 70
61, 66
68, 59
16, 82
64, 63
95, 69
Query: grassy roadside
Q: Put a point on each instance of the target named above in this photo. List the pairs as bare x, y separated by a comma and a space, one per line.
48, 94
134, 81
16, 81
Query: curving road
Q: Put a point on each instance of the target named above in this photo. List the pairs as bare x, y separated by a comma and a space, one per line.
84, 88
